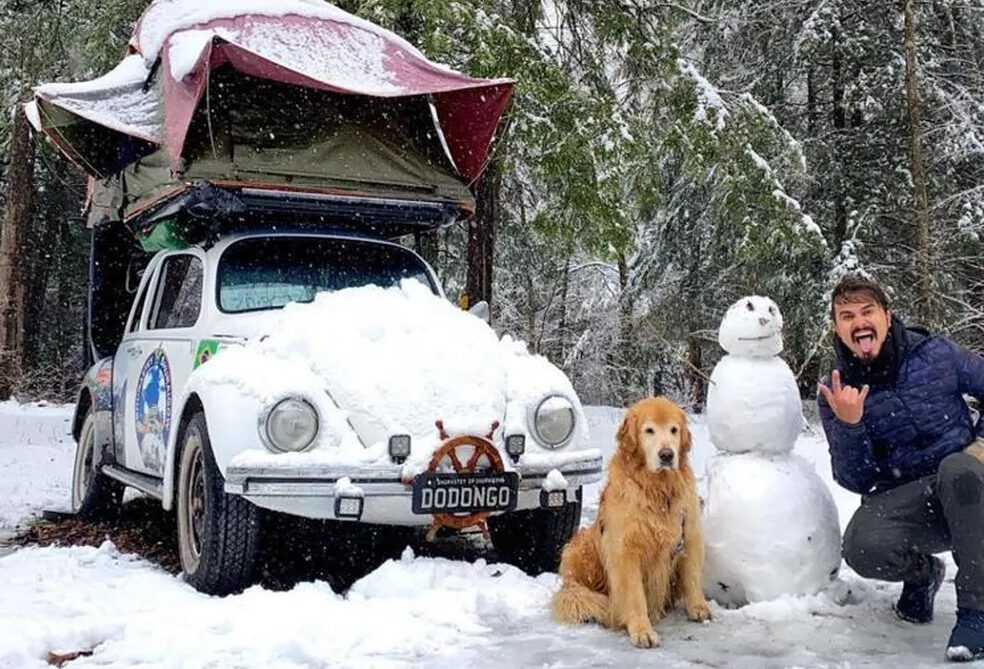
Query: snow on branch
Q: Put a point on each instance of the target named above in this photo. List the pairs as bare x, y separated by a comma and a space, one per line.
806, 222
711, 108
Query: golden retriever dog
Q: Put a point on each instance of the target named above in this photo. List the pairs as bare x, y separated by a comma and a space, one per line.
644, 551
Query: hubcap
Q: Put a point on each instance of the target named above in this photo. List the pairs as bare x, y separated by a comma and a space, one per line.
83, 467
195, 509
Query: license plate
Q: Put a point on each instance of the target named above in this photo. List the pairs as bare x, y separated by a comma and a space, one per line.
457, 493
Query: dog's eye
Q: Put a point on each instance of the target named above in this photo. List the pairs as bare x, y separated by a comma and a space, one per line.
751, 307
650, 430
674, 429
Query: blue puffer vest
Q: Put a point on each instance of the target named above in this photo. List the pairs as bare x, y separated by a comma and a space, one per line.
908, 426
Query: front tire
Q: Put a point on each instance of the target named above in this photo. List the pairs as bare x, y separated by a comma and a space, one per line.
218, 533
95, 496
532, 539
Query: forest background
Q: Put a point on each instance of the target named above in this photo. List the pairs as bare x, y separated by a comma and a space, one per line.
660, 160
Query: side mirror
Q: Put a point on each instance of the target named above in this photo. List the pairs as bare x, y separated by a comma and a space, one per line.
481, 310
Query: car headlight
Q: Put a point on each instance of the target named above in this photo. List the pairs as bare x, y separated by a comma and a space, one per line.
290, 425
552, 421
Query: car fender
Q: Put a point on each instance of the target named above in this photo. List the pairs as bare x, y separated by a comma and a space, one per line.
531, 378
230, 417
97, 392
234, 404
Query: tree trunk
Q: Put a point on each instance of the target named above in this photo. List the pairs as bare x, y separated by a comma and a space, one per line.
20, 173
481, 236
694, 371
924, 284
562, 322
626, 340
811, 103
840, 126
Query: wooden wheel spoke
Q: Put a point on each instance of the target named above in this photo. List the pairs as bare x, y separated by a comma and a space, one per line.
458, 467
474, 460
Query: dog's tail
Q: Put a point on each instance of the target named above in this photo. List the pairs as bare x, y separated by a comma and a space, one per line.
574, 603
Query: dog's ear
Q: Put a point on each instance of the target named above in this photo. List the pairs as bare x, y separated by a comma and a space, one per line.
627, 432
685, 438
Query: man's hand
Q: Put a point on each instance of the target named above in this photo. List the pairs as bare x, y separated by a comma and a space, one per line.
846, 402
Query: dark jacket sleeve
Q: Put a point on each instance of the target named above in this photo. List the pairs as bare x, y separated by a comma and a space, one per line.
850, 451
970, 376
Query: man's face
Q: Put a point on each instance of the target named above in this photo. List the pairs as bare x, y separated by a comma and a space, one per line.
862, 325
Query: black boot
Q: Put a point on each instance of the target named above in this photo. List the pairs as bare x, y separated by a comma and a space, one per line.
916, 603
967, 639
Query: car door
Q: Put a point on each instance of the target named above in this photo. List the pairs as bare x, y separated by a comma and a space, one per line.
127, 365
173, 311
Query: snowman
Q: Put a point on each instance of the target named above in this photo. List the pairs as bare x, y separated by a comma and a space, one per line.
770, 523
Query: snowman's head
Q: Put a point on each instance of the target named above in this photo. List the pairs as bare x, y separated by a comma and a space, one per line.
752, 327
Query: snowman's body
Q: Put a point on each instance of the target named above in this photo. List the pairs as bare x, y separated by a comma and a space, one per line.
753, 405
770, 523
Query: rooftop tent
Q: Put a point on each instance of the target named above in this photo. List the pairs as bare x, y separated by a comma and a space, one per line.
103, 124
293, 96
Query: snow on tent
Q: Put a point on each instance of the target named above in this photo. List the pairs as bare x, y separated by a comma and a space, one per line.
221, 108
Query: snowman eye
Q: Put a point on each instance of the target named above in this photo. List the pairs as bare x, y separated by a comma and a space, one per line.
751, 307
772, 310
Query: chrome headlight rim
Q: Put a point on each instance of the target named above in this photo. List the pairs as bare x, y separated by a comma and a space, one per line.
263, 425
533, 427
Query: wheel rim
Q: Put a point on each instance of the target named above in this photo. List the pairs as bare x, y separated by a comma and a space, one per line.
195, 502
82, 476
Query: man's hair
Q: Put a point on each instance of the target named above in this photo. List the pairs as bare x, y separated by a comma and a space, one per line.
856, 289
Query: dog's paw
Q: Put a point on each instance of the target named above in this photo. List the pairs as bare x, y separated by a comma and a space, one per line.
643, 636
699, 612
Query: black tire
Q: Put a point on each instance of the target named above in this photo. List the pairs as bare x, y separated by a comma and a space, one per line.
218, 533
532, 539
95, 496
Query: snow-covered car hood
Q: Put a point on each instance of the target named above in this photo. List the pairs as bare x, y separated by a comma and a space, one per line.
393, 361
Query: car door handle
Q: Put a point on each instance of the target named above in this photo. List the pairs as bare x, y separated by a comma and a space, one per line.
133, 350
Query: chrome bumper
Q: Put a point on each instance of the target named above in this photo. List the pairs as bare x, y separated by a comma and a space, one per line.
310, 490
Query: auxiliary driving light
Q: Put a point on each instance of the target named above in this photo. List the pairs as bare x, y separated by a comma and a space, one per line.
348, 507
515, 445
399, 447
551, 499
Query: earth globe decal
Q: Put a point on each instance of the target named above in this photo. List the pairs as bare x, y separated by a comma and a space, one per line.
153, 408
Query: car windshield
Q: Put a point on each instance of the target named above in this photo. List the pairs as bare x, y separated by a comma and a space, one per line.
269, 272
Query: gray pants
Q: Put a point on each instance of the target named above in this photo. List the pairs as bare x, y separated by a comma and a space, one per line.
893, 533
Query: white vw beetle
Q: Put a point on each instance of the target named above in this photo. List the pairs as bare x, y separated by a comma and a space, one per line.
325, 375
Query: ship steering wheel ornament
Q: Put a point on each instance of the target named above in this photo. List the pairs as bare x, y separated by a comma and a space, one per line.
454, 451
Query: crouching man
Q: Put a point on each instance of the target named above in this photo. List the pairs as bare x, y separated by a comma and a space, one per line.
901, 435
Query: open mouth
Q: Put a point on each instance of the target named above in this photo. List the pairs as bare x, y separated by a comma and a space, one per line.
865, 339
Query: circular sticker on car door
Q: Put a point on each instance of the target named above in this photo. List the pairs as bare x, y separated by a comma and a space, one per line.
153, 408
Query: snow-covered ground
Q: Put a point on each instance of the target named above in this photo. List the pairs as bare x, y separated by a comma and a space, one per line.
412, 612
36, 453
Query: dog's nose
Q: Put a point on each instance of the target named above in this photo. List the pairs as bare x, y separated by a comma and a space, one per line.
666, 455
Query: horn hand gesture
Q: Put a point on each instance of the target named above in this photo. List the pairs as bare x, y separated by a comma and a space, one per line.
846, 402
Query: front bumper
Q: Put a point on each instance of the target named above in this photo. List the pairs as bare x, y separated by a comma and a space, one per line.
310, 490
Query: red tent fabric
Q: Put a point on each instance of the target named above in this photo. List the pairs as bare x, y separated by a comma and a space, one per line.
302, 42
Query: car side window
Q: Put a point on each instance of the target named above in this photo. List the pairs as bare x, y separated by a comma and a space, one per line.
179, 293
138, 310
